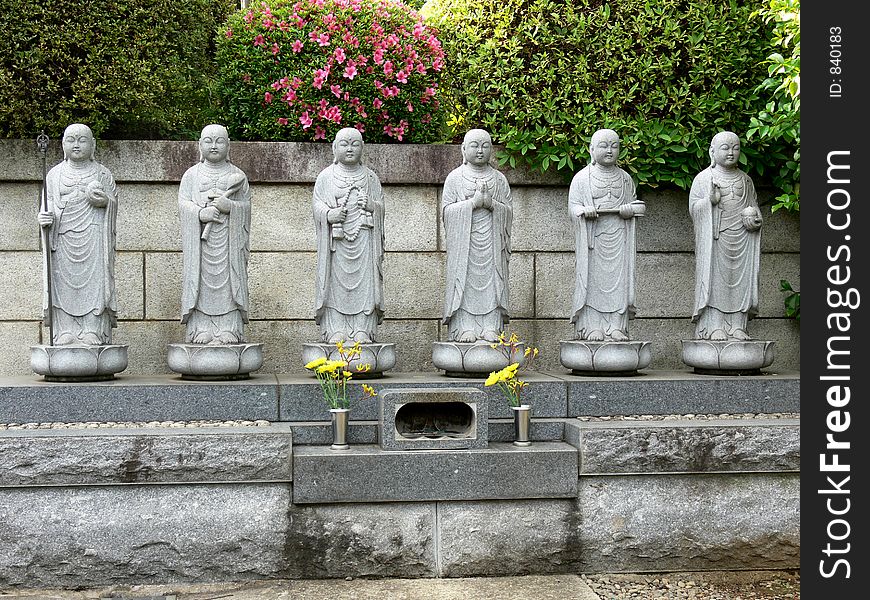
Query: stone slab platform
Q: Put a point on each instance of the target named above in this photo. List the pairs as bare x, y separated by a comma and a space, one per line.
369, 474
297, 398
103, 456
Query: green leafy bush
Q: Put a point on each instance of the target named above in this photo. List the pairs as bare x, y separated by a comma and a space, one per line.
301, 70
136, 68
543, 75
781, 116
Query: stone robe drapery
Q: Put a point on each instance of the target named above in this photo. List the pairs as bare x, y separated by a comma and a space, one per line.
82, 242
215, 272
349, 285
727, 260
478, 250
605, 247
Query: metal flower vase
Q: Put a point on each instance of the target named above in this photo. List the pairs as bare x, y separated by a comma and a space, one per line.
522, 424
339, 428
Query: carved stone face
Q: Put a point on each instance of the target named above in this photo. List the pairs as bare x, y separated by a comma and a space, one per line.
347, 147
605, 148
78, 143
477, 147
214, 144
725, 149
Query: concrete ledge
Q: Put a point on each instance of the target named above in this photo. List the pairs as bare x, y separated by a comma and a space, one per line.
132, 398
632, 447
368, 474
145, 455
297, 398
682, 392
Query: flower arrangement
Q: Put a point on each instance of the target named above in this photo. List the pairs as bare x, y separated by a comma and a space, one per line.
300, 70
333, 376
506, 379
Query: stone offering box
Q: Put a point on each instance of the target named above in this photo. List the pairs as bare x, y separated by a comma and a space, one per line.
433, 419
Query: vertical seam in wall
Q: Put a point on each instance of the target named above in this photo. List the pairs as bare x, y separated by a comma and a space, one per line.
144, 287
438, 569
438, 193
535, 286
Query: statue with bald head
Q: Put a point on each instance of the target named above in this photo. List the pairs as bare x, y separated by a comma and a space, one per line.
602, 205
349, 219
724, 209
214, 202
82, 210
477, 212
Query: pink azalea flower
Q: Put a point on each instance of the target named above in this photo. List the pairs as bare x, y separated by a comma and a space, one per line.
376, 103
421, 68
350, 71
323, 39
388, 68
297, 46
378, 56
249, 16
336, 90
275, 49
409, 106
229, 33
402, 77
319, 133
290, 97
360, 127
305, 119
282, 121
296, 83
340, 56
267, 97
259, 41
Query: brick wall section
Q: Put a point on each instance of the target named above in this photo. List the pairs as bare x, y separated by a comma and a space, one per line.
283, 255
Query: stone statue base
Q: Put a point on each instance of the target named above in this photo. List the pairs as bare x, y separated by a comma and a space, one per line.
66, 364
478, 359
728, 357
215, 362
381, 357
604, 358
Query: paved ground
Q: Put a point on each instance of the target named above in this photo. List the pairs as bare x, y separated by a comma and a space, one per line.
749, 585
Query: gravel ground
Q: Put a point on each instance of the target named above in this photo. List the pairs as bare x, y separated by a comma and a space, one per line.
706, 585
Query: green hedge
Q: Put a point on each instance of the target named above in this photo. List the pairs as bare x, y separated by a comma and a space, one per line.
543, 75
127, 68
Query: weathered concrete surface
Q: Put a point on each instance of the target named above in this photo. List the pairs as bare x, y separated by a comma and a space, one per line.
85, 536
688, 522
145, 455
361, 540
536, 587
369, 474
509, 537
623, 447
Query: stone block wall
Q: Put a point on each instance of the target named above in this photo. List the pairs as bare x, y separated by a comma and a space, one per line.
282, 265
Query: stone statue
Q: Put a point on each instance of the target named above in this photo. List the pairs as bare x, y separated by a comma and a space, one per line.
477, 213
349, 217
82, 207
214, 202
724, 210
603, 205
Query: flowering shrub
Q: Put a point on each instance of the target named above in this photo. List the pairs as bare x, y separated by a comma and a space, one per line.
300, 70
333, 376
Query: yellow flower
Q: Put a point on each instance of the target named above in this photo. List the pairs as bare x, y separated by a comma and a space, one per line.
512, 368
536, 351
364, 368
347, 374
493, 378
493, 346
331, 366
369, 390
316, 363
514, 339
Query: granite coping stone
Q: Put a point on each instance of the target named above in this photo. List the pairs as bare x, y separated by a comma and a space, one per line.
104, 456
682, 392
297, 398
369, 474
686, 446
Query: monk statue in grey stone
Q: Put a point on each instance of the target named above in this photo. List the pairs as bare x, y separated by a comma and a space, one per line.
477, 212
349, 218
724, 210
214, 202
82, 208
602, 204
